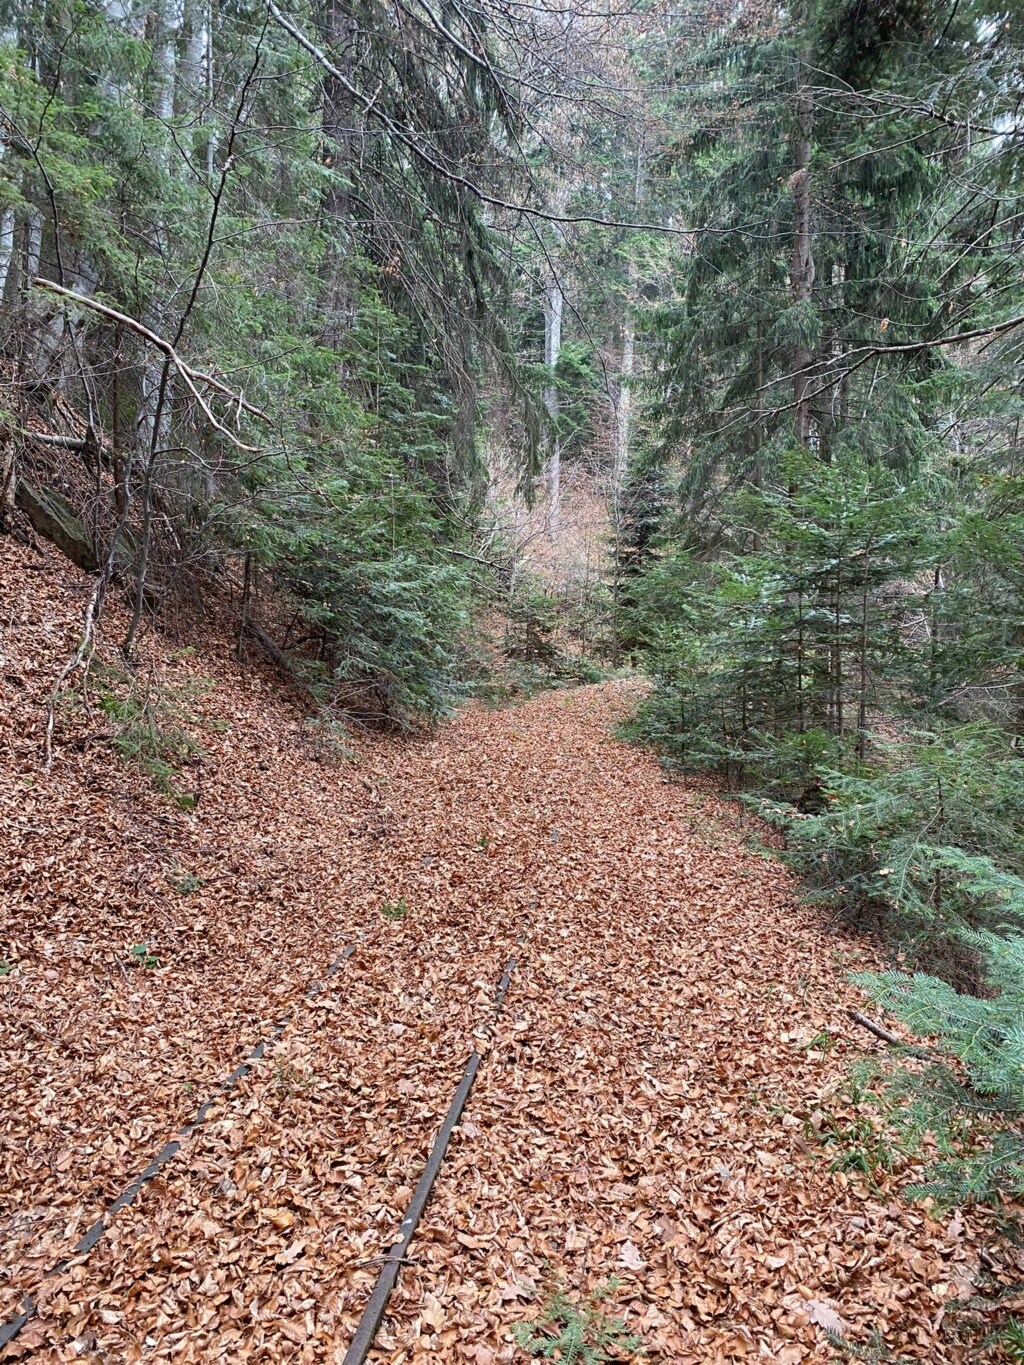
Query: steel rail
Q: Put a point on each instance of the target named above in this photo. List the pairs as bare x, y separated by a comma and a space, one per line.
373, 1313
12, 1326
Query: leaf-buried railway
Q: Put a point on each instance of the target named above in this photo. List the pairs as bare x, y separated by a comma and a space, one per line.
373, 1313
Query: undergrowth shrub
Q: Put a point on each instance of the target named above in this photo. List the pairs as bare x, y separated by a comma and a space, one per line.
394, 910
931, 836
970, 1100
185, 883
328, 740
140, 955
152, 724
535, 650
930, 845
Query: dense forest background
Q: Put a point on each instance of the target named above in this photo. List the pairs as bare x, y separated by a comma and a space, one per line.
335, 312
315, 298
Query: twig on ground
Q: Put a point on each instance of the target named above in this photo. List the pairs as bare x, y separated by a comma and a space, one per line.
887, 1035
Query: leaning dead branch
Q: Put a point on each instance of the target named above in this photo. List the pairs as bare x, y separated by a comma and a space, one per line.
191, 377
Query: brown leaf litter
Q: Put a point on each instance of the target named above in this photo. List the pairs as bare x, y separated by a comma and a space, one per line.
646, 1105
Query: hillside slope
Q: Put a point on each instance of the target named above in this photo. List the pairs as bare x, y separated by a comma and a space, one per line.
647, 1107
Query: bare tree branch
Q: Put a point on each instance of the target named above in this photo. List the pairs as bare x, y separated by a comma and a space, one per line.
192, 377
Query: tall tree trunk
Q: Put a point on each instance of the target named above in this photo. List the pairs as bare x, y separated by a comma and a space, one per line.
117, 436
624, 398
554, 309
801, 267
211, 140
623, 404
164, 23
625, 395
622, 416
195, 89
6, 247
862, 689
165, 18
193, 58
157, 406
8, 34
554, 305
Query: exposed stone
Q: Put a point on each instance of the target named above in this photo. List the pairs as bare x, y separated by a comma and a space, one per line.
52, 516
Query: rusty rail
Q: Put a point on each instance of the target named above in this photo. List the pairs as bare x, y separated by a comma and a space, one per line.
373, 1313
27, 1310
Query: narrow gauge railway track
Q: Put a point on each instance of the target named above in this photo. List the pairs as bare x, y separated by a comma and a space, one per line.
13, 1325
373, 1313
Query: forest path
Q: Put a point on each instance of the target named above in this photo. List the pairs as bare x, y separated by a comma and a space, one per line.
642, 1109
643, 1113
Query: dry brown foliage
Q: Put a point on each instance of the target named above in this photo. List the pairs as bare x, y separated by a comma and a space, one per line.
646, 1107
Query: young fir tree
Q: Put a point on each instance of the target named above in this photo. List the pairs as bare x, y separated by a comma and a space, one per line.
790, 648
845, 345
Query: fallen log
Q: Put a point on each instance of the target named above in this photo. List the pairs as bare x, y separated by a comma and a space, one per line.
271, 649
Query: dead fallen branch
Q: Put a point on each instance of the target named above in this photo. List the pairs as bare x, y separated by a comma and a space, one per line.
887, 1035
272, 650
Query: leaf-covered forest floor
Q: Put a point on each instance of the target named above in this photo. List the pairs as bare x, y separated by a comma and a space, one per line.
648, 1105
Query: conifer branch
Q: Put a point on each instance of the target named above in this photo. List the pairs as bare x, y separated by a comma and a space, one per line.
413, 143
